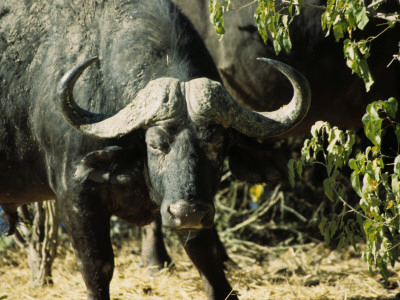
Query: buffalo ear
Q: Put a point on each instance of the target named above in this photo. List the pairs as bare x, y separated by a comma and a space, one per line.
254, 162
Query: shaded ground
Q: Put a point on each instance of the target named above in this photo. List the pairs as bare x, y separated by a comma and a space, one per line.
308, 271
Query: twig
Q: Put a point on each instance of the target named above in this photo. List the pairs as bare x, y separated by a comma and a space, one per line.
253, 245
303, 219
376, 3
187, 239
280, 248
287, 279
316, 212
395, 57
371, 38
393, 17
259, 212
305, 5
352, 209
226, 175
244, 6
233, 289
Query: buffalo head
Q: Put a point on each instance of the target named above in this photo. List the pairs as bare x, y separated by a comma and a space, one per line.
189, 129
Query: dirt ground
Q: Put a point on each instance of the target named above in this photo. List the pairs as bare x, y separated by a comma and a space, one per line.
308, 271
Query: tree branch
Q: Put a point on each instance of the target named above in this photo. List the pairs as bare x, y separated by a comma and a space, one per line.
390, 17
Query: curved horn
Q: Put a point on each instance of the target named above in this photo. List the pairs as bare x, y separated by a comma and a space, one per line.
159, 100
209, 99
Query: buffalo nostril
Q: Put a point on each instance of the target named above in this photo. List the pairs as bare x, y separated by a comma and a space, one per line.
189, 215
176, 209
175, 217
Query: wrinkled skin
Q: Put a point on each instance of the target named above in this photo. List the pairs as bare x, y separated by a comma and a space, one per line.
165, 171
193, 157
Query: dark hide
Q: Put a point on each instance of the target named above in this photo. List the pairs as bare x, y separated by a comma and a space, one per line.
248, 161
119, 173
173, 167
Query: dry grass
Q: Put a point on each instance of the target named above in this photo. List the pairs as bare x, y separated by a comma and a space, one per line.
303, 272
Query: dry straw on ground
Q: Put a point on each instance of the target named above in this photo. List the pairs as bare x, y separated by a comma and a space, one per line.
300, 272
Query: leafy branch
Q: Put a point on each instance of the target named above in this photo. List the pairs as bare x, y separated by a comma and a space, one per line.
375, 178
342, 17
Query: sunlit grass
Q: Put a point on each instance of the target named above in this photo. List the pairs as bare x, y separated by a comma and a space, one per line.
308, 271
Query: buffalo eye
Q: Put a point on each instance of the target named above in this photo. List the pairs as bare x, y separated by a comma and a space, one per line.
161, 147
157, 141
214, 147
214, 142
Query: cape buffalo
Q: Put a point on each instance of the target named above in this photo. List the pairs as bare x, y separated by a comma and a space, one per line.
338, 96
141, 134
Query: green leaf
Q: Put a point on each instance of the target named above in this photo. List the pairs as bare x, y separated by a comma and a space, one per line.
333, 226
390, 107
361, 158
348, 49
321, 225
260, 17
338, 32
342, 242
396, 186
397, 132
349, 16
356, 62
396, 168
329, 5
353, 165
372, 125
330, 162
285, 20
348, 145
228, 4
318, 127
324, 230
287, 43
326, 22
365, 74
362, 18
277, 46
398, 54
217, 17
299, 168
355, 183
363, 47
305, 151
328, 189
369, 230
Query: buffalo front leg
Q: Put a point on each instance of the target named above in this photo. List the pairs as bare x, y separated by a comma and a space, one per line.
204, 251
88, 225
154, 254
